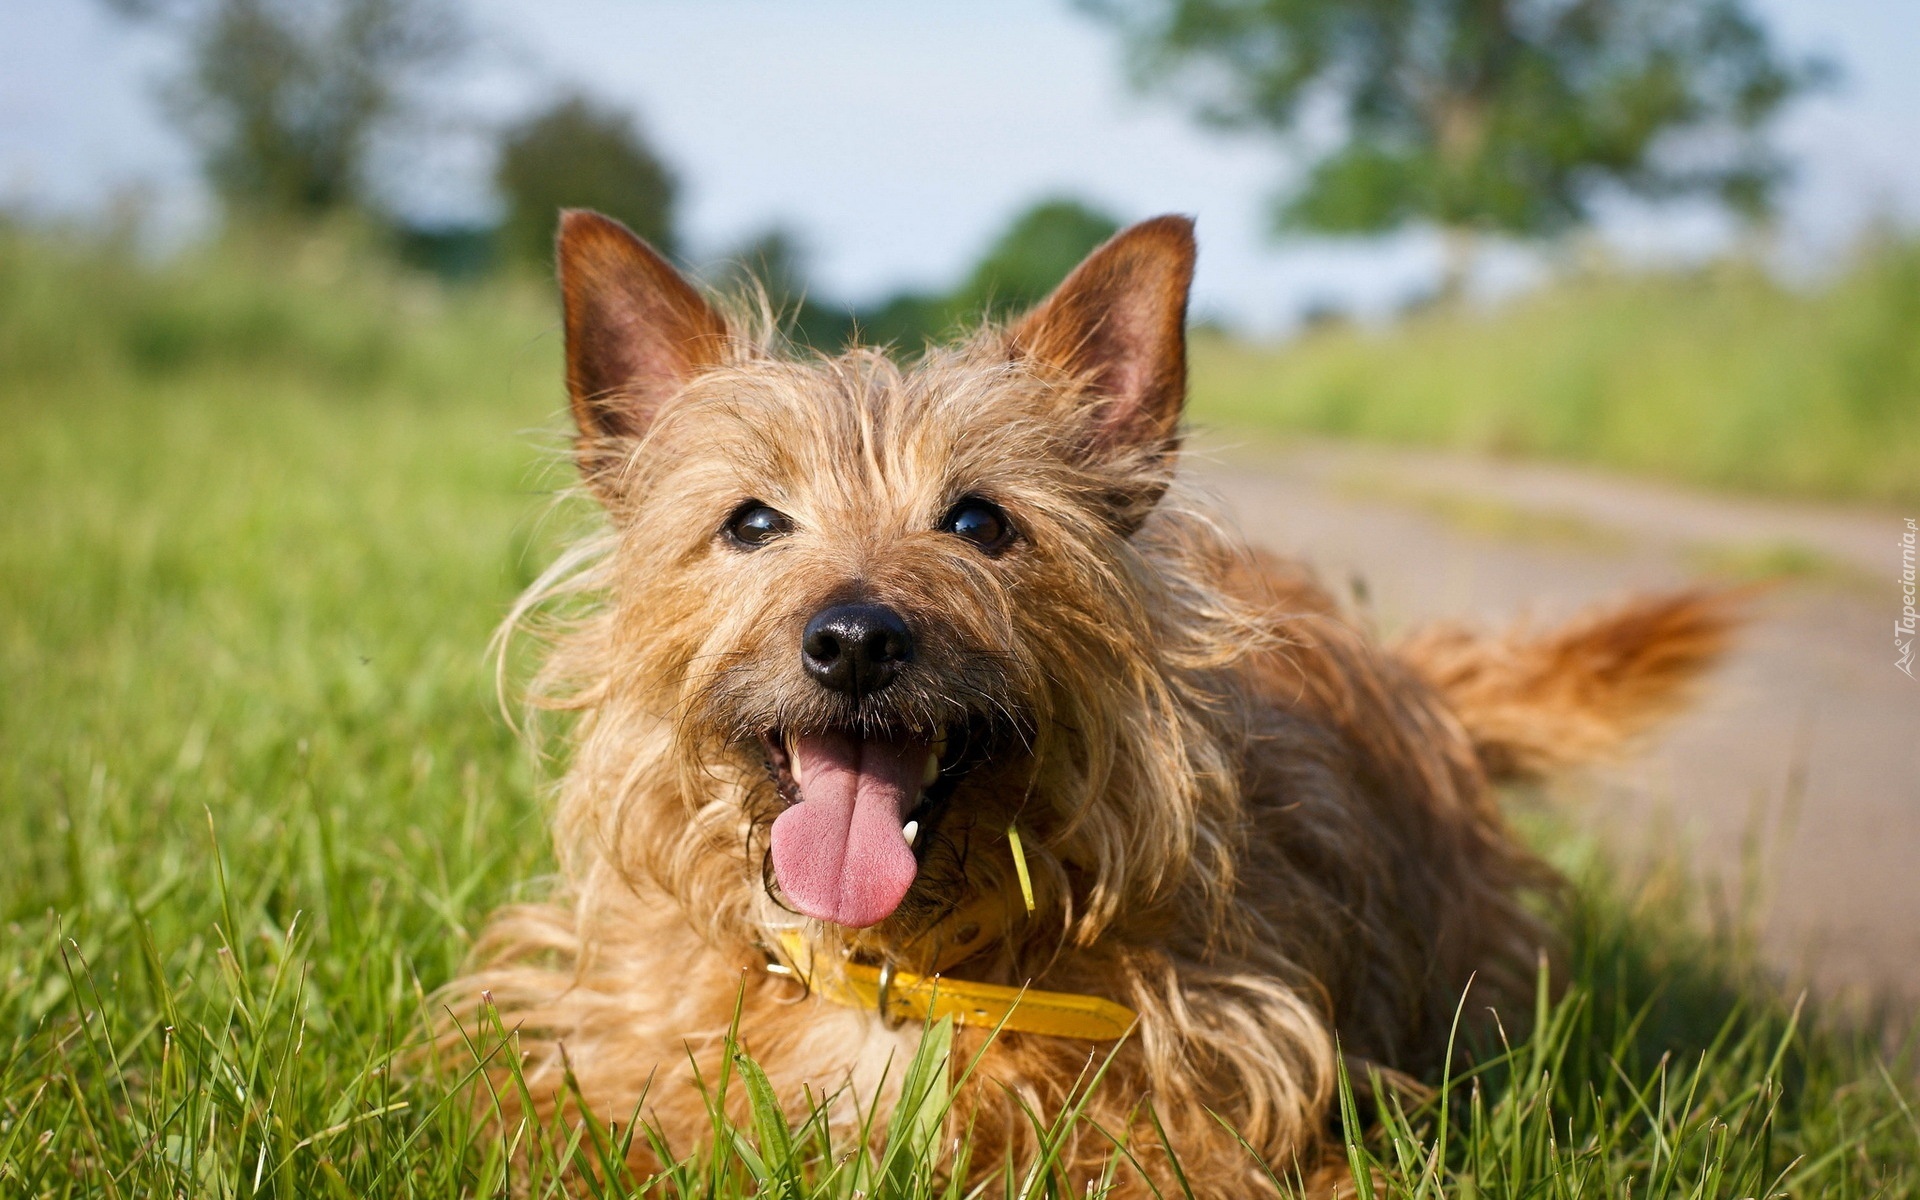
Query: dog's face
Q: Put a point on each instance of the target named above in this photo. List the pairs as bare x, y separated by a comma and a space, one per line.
885, 608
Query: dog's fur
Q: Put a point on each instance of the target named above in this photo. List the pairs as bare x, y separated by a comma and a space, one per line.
1271, 836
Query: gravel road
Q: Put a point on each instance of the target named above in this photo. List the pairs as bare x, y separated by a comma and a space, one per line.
1809, 738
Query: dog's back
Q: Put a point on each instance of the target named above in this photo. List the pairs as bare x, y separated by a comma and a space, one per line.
1403, 744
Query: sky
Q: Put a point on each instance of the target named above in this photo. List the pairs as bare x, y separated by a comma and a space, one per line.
897, 138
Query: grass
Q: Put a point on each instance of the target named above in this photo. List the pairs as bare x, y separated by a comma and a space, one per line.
263, 507
1486, 517
1719, 376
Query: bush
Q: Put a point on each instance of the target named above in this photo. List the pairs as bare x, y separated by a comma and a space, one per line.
1720, 376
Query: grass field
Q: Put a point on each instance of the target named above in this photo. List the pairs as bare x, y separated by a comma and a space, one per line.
255, 795
1720, 376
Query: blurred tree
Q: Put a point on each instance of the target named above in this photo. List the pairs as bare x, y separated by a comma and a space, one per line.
1035, 253
774, 263
906, 321
575, 154
1503, 116
283, 98
1021, 266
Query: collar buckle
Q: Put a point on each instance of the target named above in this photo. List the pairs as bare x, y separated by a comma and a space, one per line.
884, 994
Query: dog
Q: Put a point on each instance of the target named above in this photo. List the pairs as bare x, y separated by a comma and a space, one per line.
936, 691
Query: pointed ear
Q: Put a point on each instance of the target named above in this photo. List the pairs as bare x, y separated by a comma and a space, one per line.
636, 333
1120, 323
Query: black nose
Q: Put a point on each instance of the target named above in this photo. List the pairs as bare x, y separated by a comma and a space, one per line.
855, 647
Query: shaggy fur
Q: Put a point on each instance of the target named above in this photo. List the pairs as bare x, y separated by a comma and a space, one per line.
1245, 819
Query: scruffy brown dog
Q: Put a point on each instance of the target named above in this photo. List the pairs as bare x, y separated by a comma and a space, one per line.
855, 622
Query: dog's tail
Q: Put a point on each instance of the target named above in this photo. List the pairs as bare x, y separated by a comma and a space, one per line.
1535, 702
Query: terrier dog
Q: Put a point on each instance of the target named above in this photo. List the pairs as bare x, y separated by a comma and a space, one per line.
852, 628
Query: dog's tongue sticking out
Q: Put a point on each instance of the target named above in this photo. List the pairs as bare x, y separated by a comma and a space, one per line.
839, 853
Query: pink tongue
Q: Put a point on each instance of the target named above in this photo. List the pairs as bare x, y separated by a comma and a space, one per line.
839, 854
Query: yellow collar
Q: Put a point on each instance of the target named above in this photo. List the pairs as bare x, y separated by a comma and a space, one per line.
907, 996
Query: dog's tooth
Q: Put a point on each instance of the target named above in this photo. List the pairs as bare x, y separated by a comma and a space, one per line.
931, 771
910, 831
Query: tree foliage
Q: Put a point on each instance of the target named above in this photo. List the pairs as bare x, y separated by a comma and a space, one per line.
1021, 265
1034, 252
284, 98
578, 154
1506, 116
772, 265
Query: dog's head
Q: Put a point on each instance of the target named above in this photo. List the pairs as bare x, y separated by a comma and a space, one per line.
891, 611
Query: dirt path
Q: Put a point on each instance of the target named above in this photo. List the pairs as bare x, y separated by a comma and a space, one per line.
1810, 737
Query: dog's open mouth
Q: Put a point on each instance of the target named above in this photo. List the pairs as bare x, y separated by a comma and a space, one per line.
844, 849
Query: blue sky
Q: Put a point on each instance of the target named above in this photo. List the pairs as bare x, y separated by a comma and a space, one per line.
896, 137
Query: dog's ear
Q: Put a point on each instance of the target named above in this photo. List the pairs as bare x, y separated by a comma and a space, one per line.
1119, 322
637, 332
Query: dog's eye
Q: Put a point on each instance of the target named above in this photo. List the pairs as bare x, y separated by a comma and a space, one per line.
753, 524
980, 522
